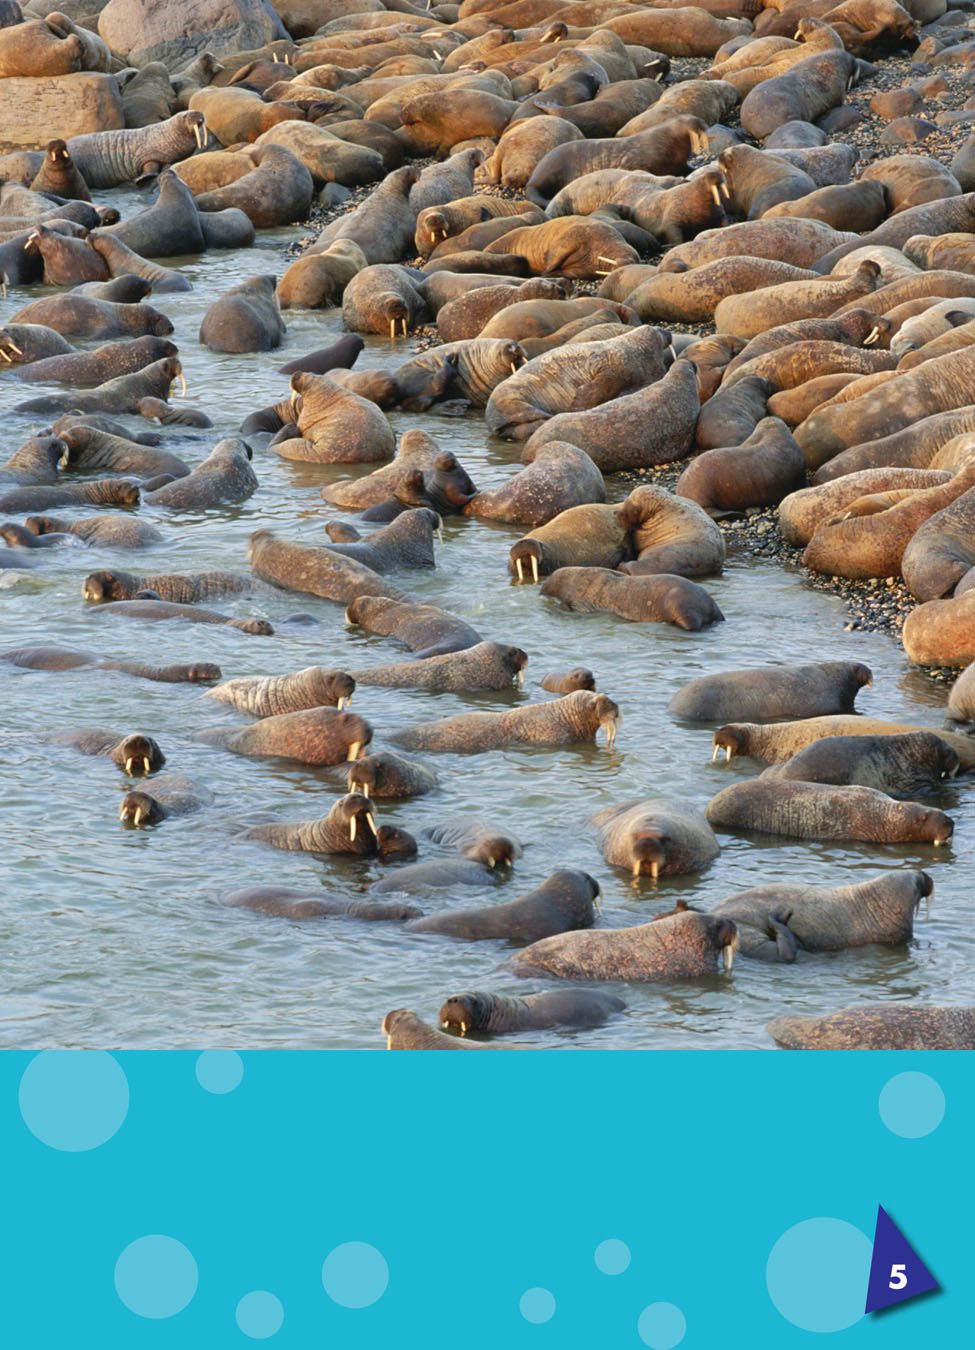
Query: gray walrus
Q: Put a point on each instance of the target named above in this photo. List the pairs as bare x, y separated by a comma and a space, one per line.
314, 570
405, 1031
386, 774
349, 827
900, 765
172, 795
482, 1011
563, 902
488, 665
801, 810
776, 921
778, 742
656, 598
68, 658
276, 695
287, 902
889, 1026
679, 946
574, 719
772, 692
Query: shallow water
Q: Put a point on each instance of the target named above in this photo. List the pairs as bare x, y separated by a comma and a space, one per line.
115, 937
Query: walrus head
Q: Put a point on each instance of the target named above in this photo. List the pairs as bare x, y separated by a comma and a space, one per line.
731, 740
465, 1012
9, 351
57, 152
195, 121
608, 718
527, 553
724, 934
138, 755
355, 813
649, 852
100, 586
395, 313
933, 826
394, 843
139, 809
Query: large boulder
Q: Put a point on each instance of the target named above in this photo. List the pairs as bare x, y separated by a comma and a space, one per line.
179, 30
31, 110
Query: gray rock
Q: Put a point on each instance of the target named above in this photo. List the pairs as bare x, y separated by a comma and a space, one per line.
179, 30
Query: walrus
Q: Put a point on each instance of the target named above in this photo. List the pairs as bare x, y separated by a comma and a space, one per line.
416, 450
900, 765
680, 946
171, 226
814, 690
172, 795
25, 343
747, 316
383, 225
245, 318
445, 488
386, 774
857, 206
653, 426
382, 299
66, 261
565, 901
776, 921
320, 735
122, 394
81, 316
482, 1011
658, 836
100, 492
660, 150
405, 1031
339, 355
889, 1026
469, 370
805, 92
940, 553
960, 711
122, 261
147, 605
941, 632
692, 295
107, 159
571, 246
286, 902
440, 874
799, 242
37, 461
335, 425
137, 754
656, 598
425, 629
349, 827
478, 841
466, 316
669, 534
486, 666
103, 363
223, 478
803, 512
90, 448
276, 695
60, 175
318, 280
560, 478
277, 191
594, 535
802, 810
405, 543
763, 469
579, 677
67, 658
190, 588
314, 570
779, 742
570, 720
108, 531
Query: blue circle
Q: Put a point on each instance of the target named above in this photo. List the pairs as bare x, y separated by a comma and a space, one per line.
662, 1326
612, 1257
74, 1100
912, 1105
219, 1070
817, 1274
355, 1275
537, 1306
156, 1276
259, 1315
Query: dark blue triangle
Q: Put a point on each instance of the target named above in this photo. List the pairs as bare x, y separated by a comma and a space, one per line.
897, 1273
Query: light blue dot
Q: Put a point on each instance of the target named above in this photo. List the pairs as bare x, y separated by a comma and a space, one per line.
355, 1275
259, 1315
612, 1256
156, 1276
537, 1306
817, 1274
219, 1070
662, 1326
74, 1100
912, 1105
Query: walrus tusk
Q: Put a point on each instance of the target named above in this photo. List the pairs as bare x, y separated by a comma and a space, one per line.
491, 863
613, 263
352, 828
717, 752
406, 327
463, 1028
63, 461
145, 763
636, 868
364, 789
389, 1042
872, 337
128, 764
520, 679
354, 749
938, 842
534, 569
295, 397
715, 194
728, 752
371, 822
341, 703
392, 330
182, 383
672, 352
521, 575
611, 729
728, 957
514, 368
8, 359
654, 870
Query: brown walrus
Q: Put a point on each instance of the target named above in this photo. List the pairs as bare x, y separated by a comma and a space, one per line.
658, 836
900, 765
287, 902
349, 827
136, 754
67, 658
890, 1026
657, 598
778, 742
773, 691
824, 811
680, 946
405, 1031
276, 695
425, 629
314, 736
564, 721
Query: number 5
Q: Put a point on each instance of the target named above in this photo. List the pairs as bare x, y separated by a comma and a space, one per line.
898, 1278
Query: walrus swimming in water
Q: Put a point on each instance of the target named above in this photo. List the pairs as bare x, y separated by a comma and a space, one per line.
680, 946
814, 690
172, 795
657, 598
658, 836
564, 721
136, 754
405, 1031
66, 658
900, 765
776, 921
801, 810
386, 774
481, 1011
888, 1026
314, 736
425, 629
275, 695
477, 840
286, 902
564, 901
778, 742
488, 665
349, 827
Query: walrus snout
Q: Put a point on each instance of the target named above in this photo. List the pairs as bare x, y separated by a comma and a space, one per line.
728, 740
461, 1011
357, 811
649, 852
526, 552
140, 755
138, 809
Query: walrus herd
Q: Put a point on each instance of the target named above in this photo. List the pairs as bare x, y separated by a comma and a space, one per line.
630, 236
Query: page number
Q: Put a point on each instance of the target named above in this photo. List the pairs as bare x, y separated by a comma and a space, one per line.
898, 1277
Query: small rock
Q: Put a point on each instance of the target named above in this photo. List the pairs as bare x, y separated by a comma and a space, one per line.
907, 131
896, 103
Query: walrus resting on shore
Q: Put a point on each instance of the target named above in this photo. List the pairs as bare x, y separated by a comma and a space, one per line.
888, 1026
776, 921
679, 946
482, 1011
